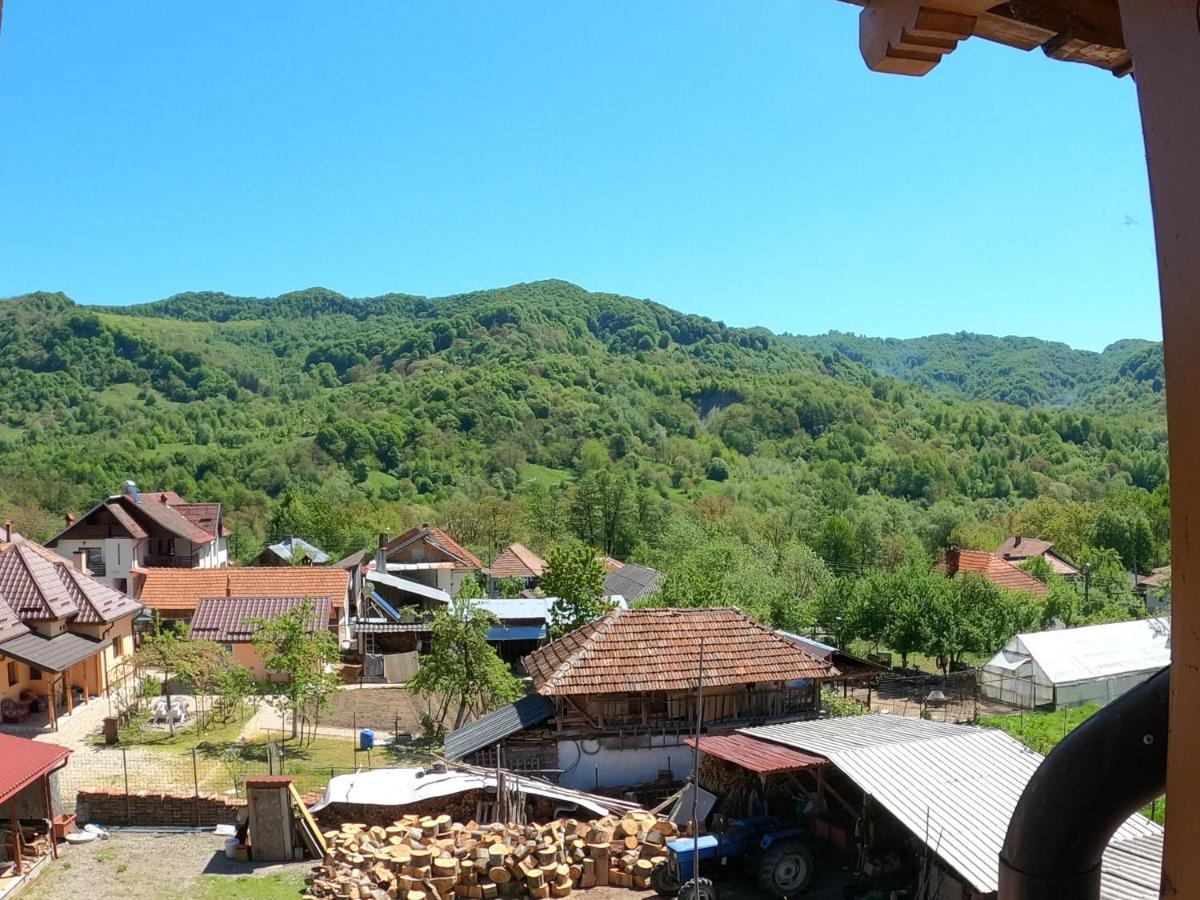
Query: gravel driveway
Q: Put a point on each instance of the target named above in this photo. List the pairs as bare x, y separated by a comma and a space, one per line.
152, 866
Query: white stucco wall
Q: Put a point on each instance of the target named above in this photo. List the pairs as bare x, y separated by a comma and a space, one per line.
583, 762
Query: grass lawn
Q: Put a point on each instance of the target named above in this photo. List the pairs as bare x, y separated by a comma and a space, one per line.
1042, 731
277, 886
140, 734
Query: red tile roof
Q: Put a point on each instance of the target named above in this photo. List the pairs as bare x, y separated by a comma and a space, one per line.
996, 570
1018, 549
136, 531
182, 589
758, 756
26, 761
226, 620
439, 541
658, 649
195, 522
517, 561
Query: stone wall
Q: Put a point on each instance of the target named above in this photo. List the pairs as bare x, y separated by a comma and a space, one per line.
150, 809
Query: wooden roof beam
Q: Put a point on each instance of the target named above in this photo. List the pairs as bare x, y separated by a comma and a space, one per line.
910, 37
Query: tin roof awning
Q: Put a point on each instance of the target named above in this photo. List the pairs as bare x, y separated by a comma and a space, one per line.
499, 633
56, 654
758, 756
408, 586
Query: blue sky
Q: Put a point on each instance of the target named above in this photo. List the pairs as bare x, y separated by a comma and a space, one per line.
737, 161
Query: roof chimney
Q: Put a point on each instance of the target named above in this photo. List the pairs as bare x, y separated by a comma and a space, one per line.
952, 558
79, 560
1017, 541
162, 498
383, 539
8, 531
70, 519
228, 585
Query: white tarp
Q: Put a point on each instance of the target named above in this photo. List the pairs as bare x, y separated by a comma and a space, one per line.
402, 787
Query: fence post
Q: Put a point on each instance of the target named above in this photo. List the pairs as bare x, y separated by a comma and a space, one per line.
125, 770
196, 786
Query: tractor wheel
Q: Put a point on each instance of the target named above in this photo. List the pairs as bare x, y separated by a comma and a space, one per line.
786, 870
698, 889
664, 883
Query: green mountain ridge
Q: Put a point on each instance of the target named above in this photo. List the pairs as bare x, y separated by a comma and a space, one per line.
412, 401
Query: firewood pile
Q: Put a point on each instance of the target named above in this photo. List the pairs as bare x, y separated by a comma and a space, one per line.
435, 858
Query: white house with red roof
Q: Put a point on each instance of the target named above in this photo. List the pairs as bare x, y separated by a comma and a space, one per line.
135, 530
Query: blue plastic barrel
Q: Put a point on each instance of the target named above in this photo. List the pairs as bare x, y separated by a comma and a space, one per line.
366, 739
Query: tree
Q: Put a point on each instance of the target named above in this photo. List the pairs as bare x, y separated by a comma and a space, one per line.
462, 669
838, 545
575, 576
167, 649
296, 645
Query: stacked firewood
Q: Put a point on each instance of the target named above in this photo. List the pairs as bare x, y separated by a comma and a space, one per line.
435, 858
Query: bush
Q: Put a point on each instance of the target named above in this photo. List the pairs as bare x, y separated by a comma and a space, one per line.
837, 707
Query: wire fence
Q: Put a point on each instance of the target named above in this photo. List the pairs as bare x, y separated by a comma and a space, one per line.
944, 698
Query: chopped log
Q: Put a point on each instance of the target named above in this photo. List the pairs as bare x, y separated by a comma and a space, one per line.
535, 878
499, 874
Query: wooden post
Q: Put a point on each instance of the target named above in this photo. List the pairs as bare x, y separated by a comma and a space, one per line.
52, 700
49, 815
66, 676
1164, 38
18, 853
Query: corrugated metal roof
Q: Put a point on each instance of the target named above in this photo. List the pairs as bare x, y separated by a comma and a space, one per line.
762, 757
1132, 870
1068, 655
408, 586
26, 761
633, 582
954, 787
285, 549
500, 633
56, 654
825, 736
496, 726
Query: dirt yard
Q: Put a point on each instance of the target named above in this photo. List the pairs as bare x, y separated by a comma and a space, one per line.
382, 708
156, 866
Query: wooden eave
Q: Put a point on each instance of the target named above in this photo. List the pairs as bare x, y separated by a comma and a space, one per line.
910, 37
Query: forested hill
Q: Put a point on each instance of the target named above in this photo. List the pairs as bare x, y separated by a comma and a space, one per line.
399, 403
1019, 370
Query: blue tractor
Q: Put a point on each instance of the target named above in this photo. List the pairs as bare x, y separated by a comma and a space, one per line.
778, 858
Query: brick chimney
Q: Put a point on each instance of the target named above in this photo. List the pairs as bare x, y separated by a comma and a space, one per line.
70, 519
1017, 541
952, 560
383, 539
79, 560
8, 531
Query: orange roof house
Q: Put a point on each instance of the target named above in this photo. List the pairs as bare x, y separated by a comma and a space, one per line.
995, 569
517, 561
428, 543
1017, 549
178, 592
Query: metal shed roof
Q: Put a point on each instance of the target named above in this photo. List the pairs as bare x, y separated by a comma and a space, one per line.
525, 713
1132, 870
762, 757
408, 586
56, 654
954, 787
25, 761
1069, 655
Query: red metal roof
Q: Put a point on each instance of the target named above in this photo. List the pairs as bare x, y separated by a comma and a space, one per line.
229, 620
757, 756
24, 762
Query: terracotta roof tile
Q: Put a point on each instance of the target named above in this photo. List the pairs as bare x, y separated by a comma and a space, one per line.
517, 561
440, 541
658, 649
227, 619
1017, 549
996, 570
182, 589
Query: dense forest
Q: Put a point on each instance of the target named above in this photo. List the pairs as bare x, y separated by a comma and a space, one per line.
543, 410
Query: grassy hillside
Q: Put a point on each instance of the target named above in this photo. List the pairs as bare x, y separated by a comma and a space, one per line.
402, 403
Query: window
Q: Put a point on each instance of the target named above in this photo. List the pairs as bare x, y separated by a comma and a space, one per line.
35, 674
95, 559
118, 646
121, 584
12, 673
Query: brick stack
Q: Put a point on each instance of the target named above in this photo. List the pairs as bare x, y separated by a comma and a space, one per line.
434, 858
111, 808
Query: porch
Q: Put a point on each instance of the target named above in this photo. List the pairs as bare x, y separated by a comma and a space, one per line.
55, 676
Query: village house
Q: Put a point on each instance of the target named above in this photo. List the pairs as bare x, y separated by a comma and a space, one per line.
427, 556
293, 551
176, 594
232, 623
516, 561
1018, 549
63, 633
994, 568
632, 582
134, 530
615, 699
